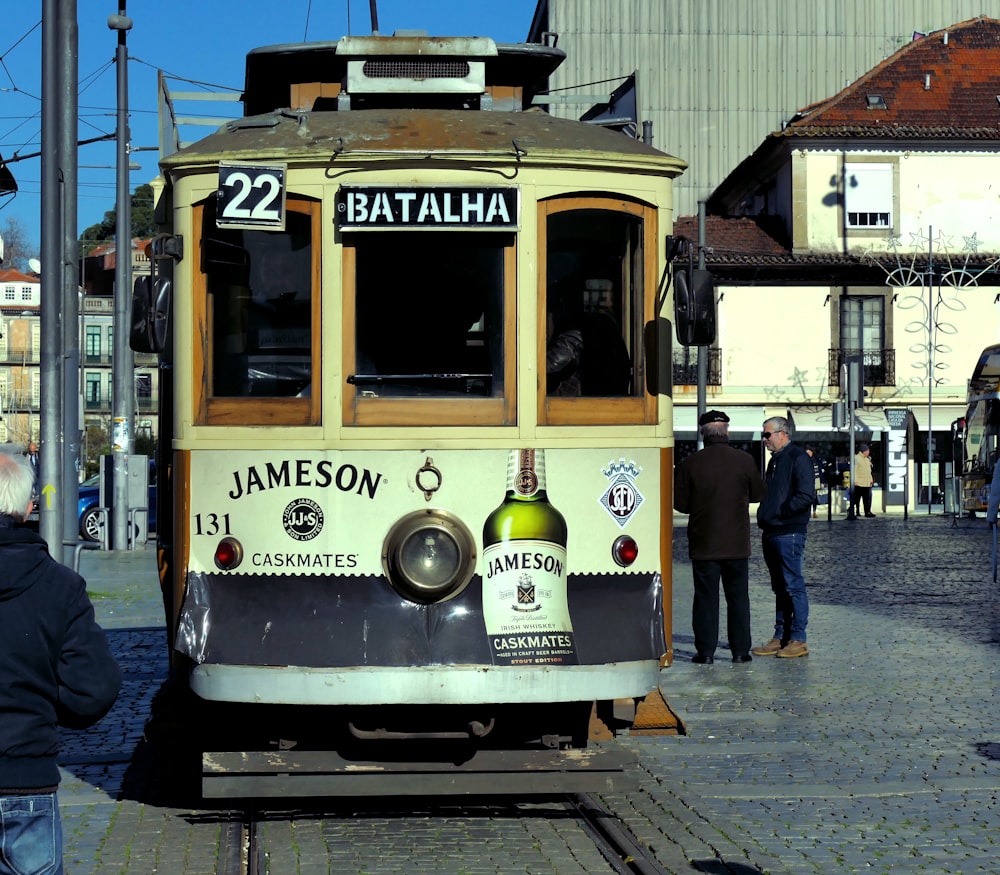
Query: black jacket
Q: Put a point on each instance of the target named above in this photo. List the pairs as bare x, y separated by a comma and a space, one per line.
55, 665
791, 488
715, 486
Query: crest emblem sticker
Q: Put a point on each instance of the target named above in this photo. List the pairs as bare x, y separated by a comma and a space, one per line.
622, 497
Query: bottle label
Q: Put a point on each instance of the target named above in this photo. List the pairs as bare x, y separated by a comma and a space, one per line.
526, 472
525, 604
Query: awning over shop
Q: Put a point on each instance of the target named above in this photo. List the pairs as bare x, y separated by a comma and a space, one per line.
820, 419
742, 420
942, 416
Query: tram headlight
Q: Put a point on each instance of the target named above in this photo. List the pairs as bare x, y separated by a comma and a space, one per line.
429, 556
625, 551
228, 554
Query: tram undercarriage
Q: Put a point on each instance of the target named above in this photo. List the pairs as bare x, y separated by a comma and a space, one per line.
270, 752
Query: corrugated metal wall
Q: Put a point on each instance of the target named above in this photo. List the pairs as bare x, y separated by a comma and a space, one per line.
717, 76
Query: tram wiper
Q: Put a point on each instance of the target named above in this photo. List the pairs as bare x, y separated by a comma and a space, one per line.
422, 384
362, 379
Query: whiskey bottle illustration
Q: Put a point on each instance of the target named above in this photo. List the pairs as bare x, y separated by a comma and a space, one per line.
525, 600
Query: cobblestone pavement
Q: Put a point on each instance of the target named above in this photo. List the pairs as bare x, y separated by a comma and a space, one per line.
879, 752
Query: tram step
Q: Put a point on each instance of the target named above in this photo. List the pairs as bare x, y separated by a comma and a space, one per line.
269, 774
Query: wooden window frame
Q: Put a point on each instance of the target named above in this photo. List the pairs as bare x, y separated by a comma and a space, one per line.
257, 411
360, 410
640, 409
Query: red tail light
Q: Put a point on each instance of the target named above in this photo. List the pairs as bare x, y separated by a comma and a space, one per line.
228, 554
625, 551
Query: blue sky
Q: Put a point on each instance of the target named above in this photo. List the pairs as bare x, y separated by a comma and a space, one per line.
203, 40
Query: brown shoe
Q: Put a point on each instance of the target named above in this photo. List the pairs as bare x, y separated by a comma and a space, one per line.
769, 649
793, 649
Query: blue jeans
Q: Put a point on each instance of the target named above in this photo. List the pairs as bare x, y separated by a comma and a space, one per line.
30, 835
783, 556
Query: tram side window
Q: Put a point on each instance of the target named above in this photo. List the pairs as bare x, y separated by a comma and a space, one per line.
259, 287
594, 301
429, 314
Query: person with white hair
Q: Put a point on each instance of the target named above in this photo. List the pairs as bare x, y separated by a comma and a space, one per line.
56, 669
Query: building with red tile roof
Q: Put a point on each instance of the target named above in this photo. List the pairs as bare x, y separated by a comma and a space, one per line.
868, 225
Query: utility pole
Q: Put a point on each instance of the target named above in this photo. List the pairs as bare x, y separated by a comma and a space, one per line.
852, 378
59, 178
702, 349
70, 284
122, 377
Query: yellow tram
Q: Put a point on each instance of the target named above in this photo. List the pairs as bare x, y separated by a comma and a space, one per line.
416, 421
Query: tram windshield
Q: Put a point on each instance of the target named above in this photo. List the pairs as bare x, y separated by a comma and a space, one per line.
981, 434
429, 314
593, 302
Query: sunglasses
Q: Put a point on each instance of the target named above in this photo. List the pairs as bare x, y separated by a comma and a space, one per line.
766, 434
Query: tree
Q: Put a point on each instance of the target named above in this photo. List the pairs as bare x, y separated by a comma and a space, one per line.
17, 246
143, 226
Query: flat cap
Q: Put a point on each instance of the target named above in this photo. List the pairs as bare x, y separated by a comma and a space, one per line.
713, 416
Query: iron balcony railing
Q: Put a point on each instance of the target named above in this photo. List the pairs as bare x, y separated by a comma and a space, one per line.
686, 366
879, 365
143, 404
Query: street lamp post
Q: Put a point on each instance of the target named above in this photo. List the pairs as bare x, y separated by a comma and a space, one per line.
123, 402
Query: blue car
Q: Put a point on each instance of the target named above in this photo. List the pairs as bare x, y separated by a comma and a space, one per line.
91, 524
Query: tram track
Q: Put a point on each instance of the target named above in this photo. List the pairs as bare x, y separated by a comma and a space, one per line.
241, 851
623, 851
243, 847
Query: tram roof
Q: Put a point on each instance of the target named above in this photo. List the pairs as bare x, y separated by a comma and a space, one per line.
309, 136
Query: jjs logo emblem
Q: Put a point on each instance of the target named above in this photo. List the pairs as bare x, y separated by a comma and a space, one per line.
303, 519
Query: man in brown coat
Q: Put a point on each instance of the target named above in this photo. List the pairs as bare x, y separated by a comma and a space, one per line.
715, 487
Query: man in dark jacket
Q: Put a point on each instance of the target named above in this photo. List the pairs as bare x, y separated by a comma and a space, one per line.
783, 517
715, 486
55, 669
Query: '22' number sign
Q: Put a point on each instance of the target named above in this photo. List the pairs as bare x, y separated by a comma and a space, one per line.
251, 196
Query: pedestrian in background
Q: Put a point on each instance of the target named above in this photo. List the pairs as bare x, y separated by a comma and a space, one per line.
817, 478
32, 456
715, 487
864, 480
55, 669
783, 517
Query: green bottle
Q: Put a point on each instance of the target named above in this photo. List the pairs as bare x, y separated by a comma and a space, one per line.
526, 512
525, 602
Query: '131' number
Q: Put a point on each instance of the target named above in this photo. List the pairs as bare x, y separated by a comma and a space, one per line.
211, 524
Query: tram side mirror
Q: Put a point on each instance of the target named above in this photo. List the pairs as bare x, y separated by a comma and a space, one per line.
150, 323
694, 307
658, 354
149, 326
140, 335
150, 318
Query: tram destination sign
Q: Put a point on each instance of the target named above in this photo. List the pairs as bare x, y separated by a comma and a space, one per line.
374, 207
